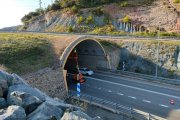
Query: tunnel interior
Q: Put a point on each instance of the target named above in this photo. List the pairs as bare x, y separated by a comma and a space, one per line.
90, 54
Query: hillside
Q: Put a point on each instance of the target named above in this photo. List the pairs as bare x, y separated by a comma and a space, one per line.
106, 17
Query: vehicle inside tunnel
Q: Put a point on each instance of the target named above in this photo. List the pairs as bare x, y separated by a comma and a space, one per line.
86, 54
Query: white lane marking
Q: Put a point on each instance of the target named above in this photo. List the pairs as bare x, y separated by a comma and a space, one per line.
99, 88
120, 94
147, 101
163, 105
144, 82
141, 89
109, 91
132, 97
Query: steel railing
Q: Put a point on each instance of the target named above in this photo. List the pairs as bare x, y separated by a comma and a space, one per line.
115, 107
141, 76
124, 36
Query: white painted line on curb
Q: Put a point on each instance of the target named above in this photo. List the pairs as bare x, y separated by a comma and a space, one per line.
120, 94
141, 89
147, 101
132, 97
163, 105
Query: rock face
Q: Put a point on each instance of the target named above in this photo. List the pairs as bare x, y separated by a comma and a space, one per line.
143, 18
19, 101
46, 111
141, 56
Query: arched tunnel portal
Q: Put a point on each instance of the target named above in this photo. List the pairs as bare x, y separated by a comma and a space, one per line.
90, 54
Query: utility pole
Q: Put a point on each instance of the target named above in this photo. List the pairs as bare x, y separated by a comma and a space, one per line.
157, 62
40, 4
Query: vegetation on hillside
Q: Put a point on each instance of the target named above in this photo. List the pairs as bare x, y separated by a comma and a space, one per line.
23, 53
176, 1
88, 23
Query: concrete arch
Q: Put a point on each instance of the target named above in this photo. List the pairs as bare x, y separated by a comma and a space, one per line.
73, 44
97, 56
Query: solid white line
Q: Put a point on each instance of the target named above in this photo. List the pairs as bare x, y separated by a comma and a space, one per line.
120, 94
132, 97
141, 89
144, 82
147, 101
163, 105
109, 91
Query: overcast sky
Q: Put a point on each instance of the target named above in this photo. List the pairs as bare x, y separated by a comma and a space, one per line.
11, 11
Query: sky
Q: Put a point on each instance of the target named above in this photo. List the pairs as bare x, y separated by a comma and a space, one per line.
11, 11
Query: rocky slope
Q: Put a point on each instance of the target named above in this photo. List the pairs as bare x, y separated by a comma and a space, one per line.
141, 56
19, 101
161, 13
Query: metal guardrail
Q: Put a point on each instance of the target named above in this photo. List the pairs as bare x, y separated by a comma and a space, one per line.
99, 35
143, 76
114, 107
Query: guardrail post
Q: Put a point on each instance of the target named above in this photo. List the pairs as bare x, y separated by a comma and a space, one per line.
90, 100
149, 116
116, 108
131, 112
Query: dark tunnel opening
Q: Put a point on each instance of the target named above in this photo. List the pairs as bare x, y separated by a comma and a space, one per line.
87, 54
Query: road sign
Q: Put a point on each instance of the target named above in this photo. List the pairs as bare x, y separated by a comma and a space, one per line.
78, 89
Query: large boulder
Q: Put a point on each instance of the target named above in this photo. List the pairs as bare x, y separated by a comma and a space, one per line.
3, 103
75, 115
1, 92
3, 87
24, 89
13, 79
46, 111
13, 113
16, 80
25, 100
6, 76
61, 104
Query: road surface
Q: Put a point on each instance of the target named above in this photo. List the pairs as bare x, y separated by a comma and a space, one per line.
151, 98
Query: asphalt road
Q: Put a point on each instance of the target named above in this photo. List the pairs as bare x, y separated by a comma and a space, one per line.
151, 98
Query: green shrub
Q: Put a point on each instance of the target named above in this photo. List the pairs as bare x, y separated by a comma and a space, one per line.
67, 3
126, 19
89, 19
29, 16
123, 4
70, 29
55, 6
104, 30
98, 11
106, 20
74, 9
176, 1
80, 20
146, 34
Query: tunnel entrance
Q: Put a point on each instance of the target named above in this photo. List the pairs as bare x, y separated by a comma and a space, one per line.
90, 54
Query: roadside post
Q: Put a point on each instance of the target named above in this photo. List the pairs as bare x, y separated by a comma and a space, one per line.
78, 89
123, 66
